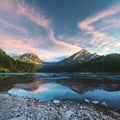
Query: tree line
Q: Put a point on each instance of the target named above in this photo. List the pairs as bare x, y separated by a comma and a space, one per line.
108, 63
8, 64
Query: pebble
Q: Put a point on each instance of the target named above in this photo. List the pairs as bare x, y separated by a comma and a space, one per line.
47, 110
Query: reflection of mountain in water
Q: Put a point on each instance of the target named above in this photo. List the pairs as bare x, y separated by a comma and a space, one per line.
44, 86
29, 86
78, 82
45, 91
83, 83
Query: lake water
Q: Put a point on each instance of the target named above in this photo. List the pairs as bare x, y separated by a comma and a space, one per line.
72, 86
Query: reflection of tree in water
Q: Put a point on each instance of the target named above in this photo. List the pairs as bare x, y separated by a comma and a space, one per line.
85, 84
80, 83
7, 83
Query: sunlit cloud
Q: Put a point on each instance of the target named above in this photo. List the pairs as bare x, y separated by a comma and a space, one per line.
27, 28
35, 17
21, 12
64, 47
11, 26
97, 26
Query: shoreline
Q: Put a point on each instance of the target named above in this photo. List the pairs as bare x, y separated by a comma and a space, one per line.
20, 108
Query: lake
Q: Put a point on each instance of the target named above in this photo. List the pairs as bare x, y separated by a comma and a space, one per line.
63, 86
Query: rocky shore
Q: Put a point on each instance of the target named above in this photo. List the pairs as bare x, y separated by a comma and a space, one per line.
19, 108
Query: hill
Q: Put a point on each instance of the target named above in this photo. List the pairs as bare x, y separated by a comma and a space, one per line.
8, 64
30, 58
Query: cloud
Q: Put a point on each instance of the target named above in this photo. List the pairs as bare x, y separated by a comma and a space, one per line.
37, 18
20, 46
40, 20
96, 26
12, 43
86, 24
18, 10
9, 25
19, 13
63, 46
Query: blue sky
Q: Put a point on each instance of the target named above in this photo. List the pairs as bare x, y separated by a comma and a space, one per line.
55, 29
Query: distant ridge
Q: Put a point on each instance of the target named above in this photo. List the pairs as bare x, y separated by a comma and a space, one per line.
82, 55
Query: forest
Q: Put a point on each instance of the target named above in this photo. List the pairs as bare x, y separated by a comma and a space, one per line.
8, 64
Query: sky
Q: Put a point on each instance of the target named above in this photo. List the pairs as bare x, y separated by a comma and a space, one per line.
55, 29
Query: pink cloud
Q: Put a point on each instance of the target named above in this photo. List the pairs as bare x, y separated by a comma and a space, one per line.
17, 11
46, 23
8, 5
21, 45
35, 17
111, 23
86, 24
10, 42
9, 25
99, 37
65, 48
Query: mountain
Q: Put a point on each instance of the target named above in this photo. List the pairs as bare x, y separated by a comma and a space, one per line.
70, 64
8, 64
2, 52
29, 58
82, 55
84, 61
107, 63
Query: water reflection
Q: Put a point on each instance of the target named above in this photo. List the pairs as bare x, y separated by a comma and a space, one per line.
49, 86
46, 91
7, 81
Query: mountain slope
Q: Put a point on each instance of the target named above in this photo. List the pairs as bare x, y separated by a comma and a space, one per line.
108, 63
82, 55
71, 63
8, 64
29, 58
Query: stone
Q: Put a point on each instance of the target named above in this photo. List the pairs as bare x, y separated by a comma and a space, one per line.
95, 102
48, 110
86, 100
57, 102
115, 114
81, 107
104, 104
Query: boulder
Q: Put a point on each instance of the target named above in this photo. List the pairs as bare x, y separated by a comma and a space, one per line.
95, 102
104, 104
113, 113
86, 100
57, 102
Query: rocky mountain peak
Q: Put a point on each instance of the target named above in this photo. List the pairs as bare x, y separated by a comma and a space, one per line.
29, 58
82, 55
